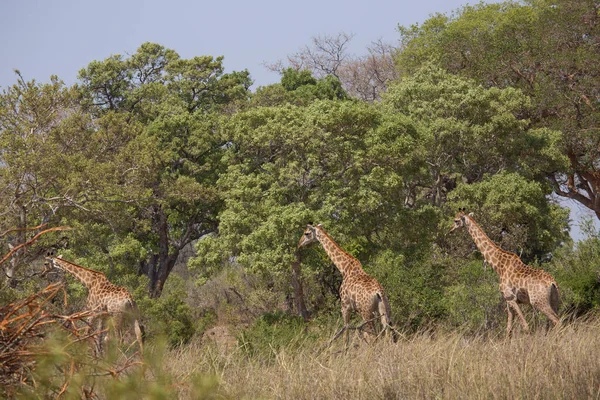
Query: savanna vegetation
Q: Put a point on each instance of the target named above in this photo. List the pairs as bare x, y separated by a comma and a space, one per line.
192, 190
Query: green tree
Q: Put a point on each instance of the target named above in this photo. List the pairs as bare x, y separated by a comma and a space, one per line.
576, 270
462, 130
40, 126
300, 88
515, 213
288, 165
548, 49
377, 177
165, 171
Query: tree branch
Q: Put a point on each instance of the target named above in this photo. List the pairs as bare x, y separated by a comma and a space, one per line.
33, 239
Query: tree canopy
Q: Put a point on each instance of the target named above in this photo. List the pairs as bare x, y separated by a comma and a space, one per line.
150, 156
549, 50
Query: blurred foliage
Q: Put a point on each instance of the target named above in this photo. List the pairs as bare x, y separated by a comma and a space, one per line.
65, 369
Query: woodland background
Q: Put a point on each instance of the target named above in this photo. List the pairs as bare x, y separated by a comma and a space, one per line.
192, 191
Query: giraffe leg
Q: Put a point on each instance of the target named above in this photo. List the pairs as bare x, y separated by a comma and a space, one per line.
386, 320
551, 306
509, 322
95, 327
346, 318
139, 334
546, 306
337, 335
346, 337
549, 312
513, 304
369, 323
96, 345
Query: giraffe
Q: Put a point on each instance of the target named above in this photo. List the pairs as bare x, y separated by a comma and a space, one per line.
519, 283
358, 291
102, 294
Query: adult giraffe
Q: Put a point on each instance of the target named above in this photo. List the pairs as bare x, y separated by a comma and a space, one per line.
359, 291
519, 283
103, 296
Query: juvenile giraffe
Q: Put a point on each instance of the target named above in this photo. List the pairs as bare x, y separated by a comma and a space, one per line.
519, 283
102, 294
359, 291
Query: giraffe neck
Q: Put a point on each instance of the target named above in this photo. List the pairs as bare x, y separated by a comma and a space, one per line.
485, 245
344, 262
86, 276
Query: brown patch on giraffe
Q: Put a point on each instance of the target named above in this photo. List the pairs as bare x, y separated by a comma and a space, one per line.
519, 283
103, 295
359, 292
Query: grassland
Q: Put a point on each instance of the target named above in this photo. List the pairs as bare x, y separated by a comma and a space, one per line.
560, 364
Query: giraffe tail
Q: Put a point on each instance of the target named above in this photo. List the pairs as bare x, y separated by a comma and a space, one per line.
554, 297
139, 334
385, 312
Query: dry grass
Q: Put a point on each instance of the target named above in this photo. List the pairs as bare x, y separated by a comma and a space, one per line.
561, 364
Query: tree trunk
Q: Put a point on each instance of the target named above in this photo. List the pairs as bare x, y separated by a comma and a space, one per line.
299, 303
157, 269
11, 267
159, 266
163, 271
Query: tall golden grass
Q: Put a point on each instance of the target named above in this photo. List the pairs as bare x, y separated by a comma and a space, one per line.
560, 364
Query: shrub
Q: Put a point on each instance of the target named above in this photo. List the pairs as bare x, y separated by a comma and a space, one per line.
473, 301
272, 332
169, 314
577, 271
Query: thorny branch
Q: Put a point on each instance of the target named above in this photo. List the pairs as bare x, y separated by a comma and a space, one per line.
23, 326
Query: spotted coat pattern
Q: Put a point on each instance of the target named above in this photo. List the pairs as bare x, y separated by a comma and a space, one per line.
519, 283
102, 294
359, 292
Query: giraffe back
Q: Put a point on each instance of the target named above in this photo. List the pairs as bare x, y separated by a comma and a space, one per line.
364, 294
111, 297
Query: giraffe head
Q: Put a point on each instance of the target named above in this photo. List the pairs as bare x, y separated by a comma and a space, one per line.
459, 220
49, 264
309, 236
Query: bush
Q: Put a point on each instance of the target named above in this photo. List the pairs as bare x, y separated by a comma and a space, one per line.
474, 302
577, 271
272, 332
169, 315
415, 291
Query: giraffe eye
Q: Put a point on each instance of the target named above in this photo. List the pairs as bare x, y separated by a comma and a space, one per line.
306, 233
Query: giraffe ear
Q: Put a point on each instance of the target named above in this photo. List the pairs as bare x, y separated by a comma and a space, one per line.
60, 256
320, 226
471, 214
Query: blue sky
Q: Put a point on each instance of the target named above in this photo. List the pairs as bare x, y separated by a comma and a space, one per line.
42, 38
